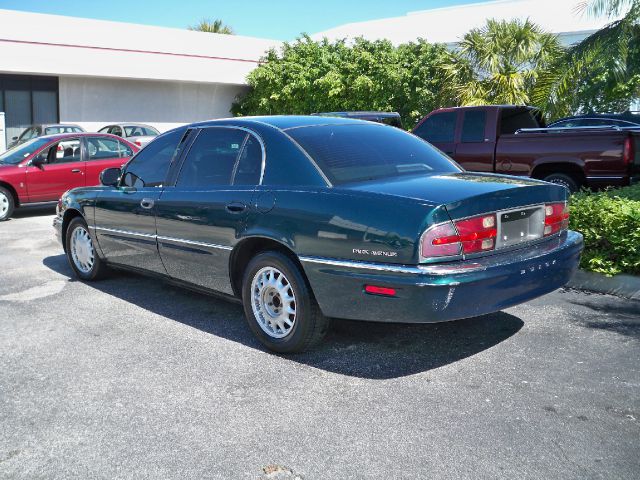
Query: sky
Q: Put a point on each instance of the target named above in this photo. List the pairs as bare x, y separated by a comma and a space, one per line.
275, 19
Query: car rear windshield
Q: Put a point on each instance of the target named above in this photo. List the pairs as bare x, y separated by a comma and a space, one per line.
354, 153
22, 151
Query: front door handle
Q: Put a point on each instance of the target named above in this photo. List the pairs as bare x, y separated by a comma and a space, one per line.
76, 170
236, 207
146, 203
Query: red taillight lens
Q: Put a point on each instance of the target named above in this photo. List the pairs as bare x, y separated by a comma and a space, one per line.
375, 290
627, 151
138, 143
476, 234
556, 218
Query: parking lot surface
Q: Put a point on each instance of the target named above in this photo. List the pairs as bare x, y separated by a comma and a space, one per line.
133, 378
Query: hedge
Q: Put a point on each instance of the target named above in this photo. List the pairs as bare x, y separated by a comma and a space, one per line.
610, 223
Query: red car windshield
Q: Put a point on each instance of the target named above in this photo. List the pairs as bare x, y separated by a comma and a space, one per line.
22, 151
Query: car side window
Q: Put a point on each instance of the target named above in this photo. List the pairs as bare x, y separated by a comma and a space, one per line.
150, 166
473, 126
100, 148
66, 151
104, 130
438, 128
116, 131
212, 158
249, 166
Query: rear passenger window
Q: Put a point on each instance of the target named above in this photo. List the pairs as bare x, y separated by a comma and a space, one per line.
103, 148
212, 158
249, 167
473, 126
150, 166
438, 128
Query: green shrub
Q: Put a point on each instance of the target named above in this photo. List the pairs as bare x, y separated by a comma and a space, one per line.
610, 223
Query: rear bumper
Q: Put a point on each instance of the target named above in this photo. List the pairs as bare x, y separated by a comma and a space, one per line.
437, 293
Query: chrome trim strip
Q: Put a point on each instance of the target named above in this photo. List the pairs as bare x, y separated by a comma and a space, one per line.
162, 238
193, 242
408, 269
123, 232
605, 177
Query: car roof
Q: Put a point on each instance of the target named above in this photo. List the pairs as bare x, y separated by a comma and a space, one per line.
62, 136
283, 122
129, 124
358, 114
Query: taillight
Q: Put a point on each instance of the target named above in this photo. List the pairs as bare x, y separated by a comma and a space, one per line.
627, 151
138, 142
471, 235
556, 218
375, 290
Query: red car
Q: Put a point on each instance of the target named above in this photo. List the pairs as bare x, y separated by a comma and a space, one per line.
40, 170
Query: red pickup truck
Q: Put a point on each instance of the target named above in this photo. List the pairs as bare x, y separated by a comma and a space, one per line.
40, 170
512, 140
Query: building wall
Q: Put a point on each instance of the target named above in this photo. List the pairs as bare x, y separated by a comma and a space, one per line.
95, 102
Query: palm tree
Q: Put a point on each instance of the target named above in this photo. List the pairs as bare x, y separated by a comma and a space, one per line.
612, 52
501, 61
212, 26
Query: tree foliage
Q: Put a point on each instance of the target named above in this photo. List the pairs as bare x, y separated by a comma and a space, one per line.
212, 26
308, 76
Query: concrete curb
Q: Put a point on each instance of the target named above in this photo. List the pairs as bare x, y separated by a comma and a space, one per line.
627, 286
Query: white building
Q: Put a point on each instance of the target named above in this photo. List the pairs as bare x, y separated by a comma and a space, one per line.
448, 25
92, 72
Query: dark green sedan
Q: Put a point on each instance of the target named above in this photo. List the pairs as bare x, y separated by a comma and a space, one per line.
307, 218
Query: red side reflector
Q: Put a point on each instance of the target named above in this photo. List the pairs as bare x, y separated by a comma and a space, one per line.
389, 292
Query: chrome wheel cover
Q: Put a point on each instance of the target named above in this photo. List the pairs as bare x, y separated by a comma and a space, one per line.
82, 251
4, 205
273, 302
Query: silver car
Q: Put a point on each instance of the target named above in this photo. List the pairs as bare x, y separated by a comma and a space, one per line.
137, 133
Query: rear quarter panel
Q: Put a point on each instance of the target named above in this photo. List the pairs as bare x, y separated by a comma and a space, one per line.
596, 153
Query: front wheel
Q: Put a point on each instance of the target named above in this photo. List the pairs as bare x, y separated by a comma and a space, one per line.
6, 204
279, 305
81, 252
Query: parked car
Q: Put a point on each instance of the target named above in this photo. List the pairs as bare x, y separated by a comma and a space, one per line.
513, 140
38, 171
137, 133
623, 120
387, 118
36, 131
303, 219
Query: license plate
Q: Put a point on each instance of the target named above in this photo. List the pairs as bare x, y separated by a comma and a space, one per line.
520, 226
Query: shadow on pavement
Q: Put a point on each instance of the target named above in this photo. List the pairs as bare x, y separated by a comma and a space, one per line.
611, 314
359, 349
28, 212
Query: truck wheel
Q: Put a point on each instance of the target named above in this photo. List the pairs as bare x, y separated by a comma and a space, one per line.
7, 204
279, 305
81, 253
563, 179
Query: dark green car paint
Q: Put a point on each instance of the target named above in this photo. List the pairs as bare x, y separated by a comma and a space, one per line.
190, 236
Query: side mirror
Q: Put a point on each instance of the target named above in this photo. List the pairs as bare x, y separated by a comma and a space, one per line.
39, 161
110, 177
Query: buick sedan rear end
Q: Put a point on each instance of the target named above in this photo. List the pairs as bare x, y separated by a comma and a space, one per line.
303, 219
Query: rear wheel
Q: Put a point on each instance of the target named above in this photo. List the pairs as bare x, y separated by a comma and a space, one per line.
279, 305
563, 179
81, 252
7, 204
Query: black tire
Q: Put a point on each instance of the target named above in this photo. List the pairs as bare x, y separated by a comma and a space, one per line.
309, 325
565, 180
7, 204
98, 268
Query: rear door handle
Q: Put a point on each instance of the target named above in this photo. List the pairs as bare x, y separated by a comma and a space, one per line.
236, 207
146, 203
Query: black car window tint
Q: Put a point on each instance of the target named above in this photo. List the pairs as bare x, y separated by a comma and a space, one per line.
473, 126
438, 128
249, 166
150, 166
361, 152
212, 158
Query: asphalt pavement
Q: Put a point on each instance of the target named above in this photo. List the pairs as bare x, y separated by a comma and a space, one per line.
133, 378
